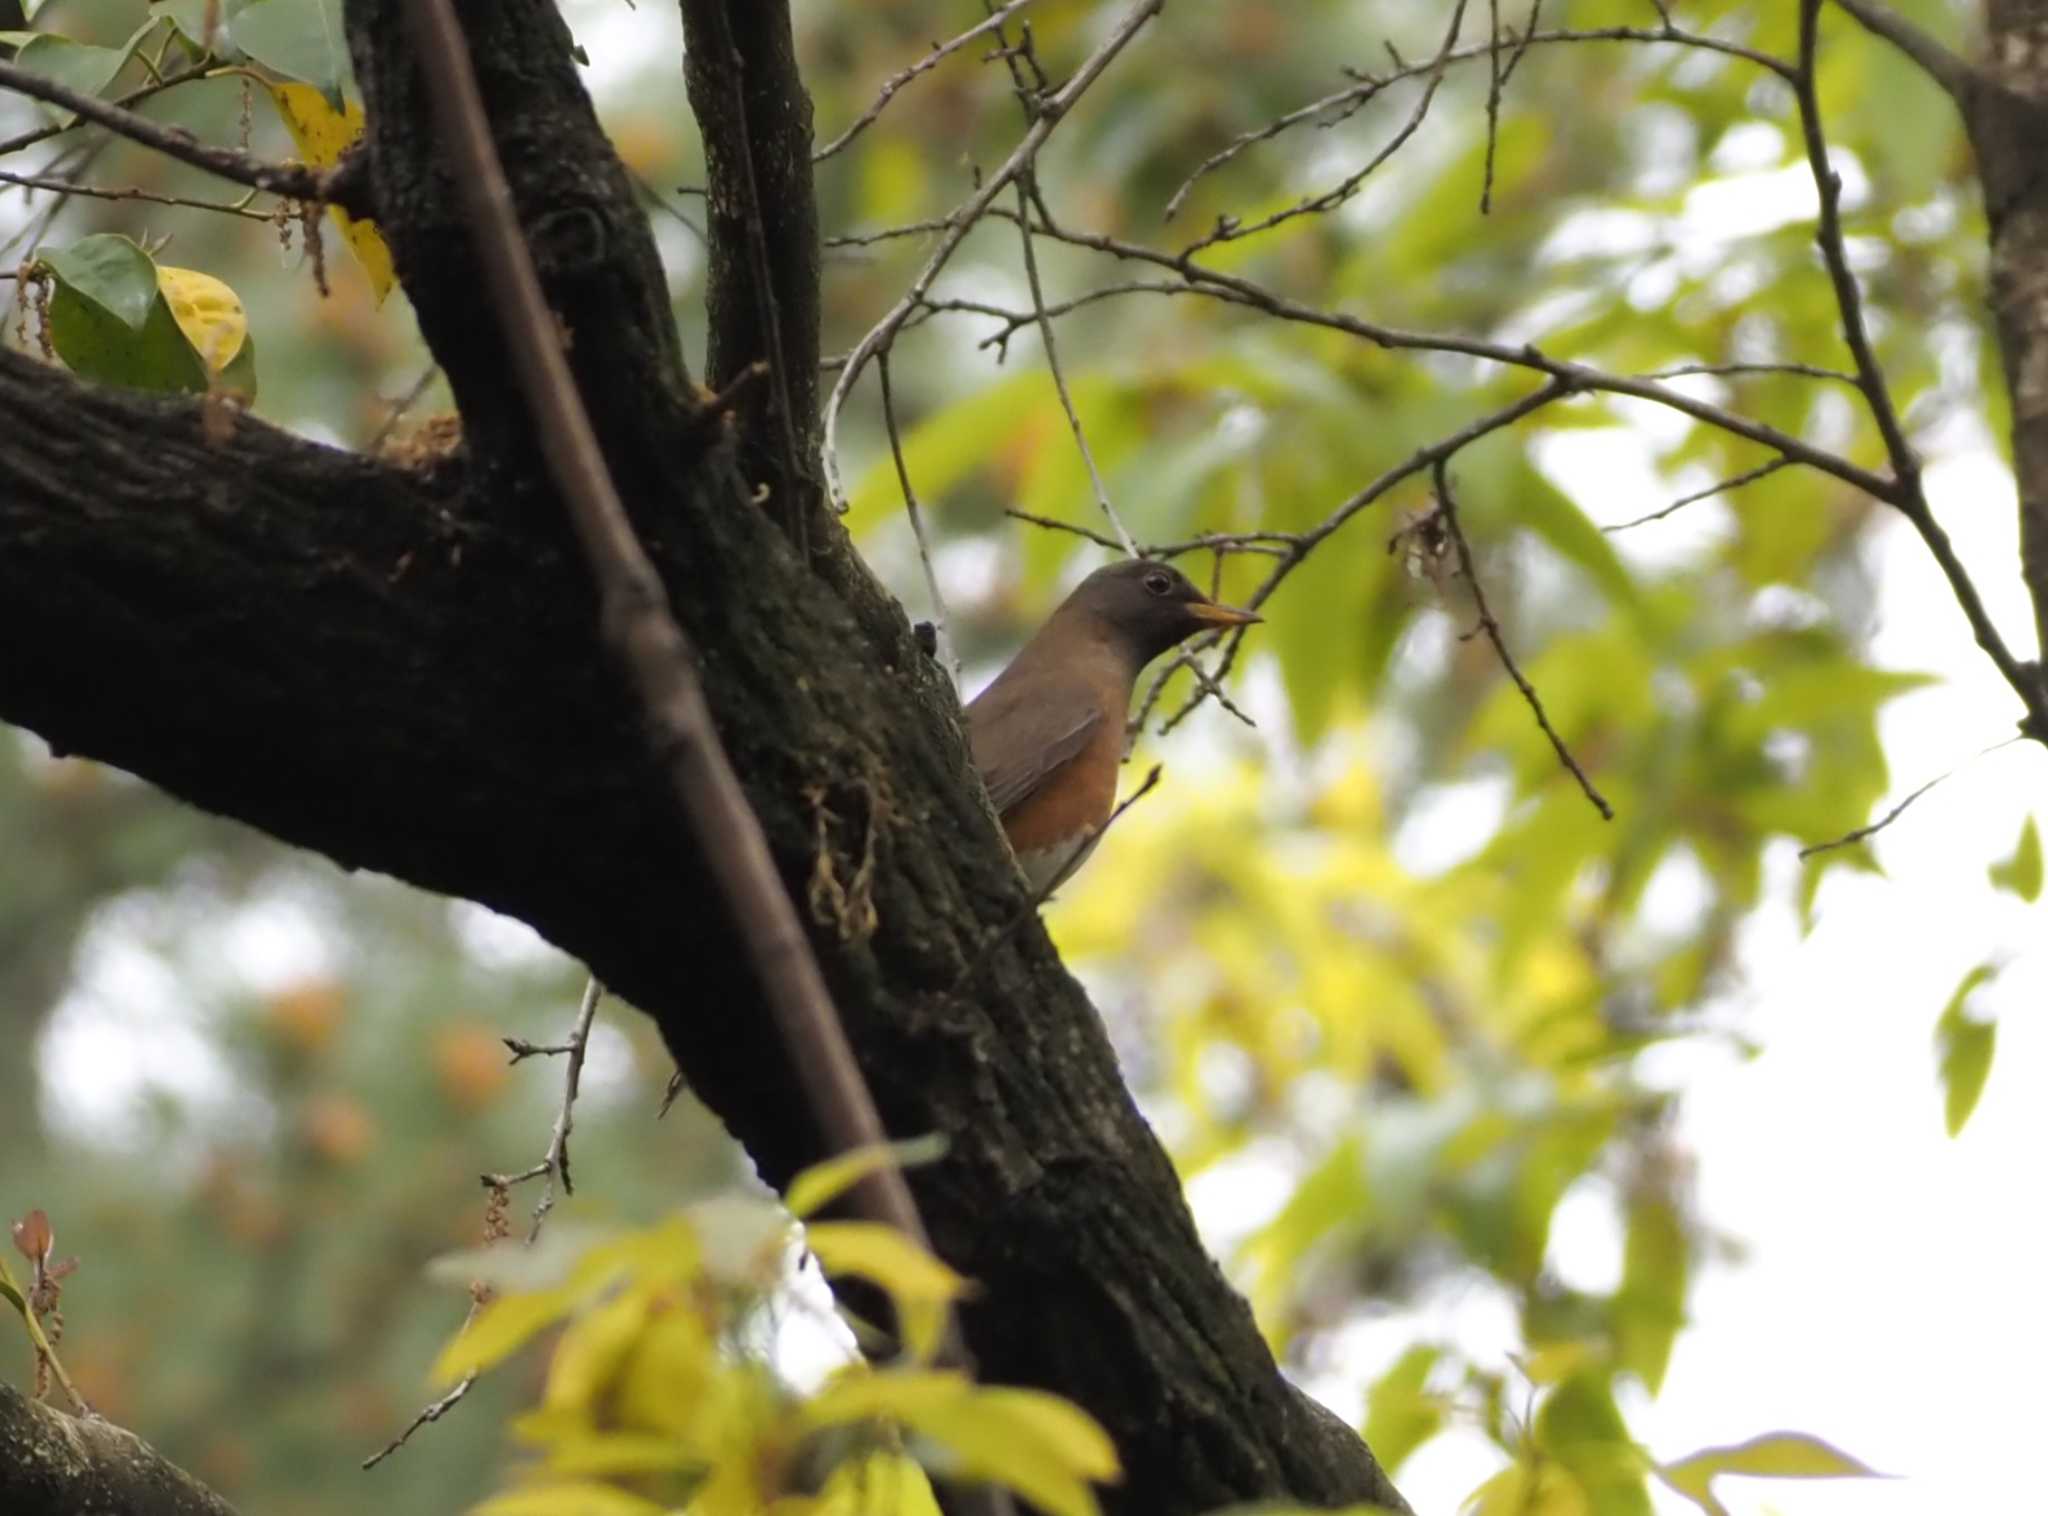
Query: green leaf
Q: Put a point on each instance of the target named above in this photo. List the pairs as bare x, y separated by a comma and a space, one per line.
1650, 1306
96, 345
2021, 873
1774, 1455
111, 272
1580, 1427
824, 1182
1965, 1045
1400, 1414
87, 69
301, 39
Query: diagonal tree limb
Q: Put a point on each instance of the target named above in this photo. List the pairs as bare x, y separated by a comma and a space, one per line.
1945, 68
292, 180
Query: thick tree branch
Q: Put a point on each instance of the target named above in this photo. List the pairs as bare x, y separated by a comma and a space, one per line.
1952, 73
52, 1464
761, 289
2007, 116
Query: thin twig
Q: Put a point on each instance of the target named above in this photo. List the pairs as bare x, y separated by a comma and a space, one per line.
432, 1412
924, 546
1909, 496
15, 144
1229, 229
1239, 290
292, 180
1749, 476
1835, 254
1059, 378
1447, 509
1442, 450
1736, 370
938, 54
1339, 105
1052, 109
1496, 80
556, 1160
1849, 839
401, 406
71, 187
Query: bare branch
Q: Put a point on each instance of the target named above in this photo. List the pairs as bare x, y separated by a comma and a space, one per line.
924, 547
15, 144
1339, 105
1447, 512
1052, 362
1051, 110
294, 181
1952, 73
1748, 476
1834, 253
1227, 228
938, 54
1239, 290
74, 187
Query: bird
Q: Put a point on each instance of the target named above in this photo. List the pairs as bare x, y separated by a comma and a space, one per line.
1048, 732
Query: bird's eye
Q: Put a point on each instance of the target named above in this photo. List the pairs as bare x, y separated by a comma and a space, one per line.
1159, 583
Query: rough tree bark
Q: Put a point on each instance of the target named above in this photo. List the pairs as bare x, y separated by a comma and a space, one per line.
401, 671
2005, 106
52, 1464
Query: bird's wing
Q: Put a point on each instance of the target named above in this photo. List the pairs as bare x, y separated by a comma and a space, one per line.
1020, 742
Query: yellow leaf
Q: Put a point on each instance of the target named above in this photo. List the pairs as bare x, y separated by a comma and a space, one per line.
1041, 1447
322, 134
600, 1453
593, 1349
499, 1330
1052, 1428
885, 1484
1774, 1455
825, 1182
919, 1284
207, 312
572, 1498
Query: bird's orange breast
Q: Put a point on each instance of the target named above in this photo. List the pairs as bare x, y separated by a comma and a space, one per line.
1074, 799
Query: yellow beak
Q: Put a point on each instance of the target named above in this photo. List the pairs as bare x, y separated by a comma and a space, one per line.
1213, 614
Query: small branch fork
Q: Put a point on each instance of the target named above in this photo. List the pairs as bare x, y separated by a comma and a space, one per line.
940, 53
499, 1187
647, 641
1051, 109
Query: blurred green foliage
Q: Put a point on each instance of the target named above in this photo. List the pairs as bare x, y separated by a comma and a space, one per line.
1399, 1054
